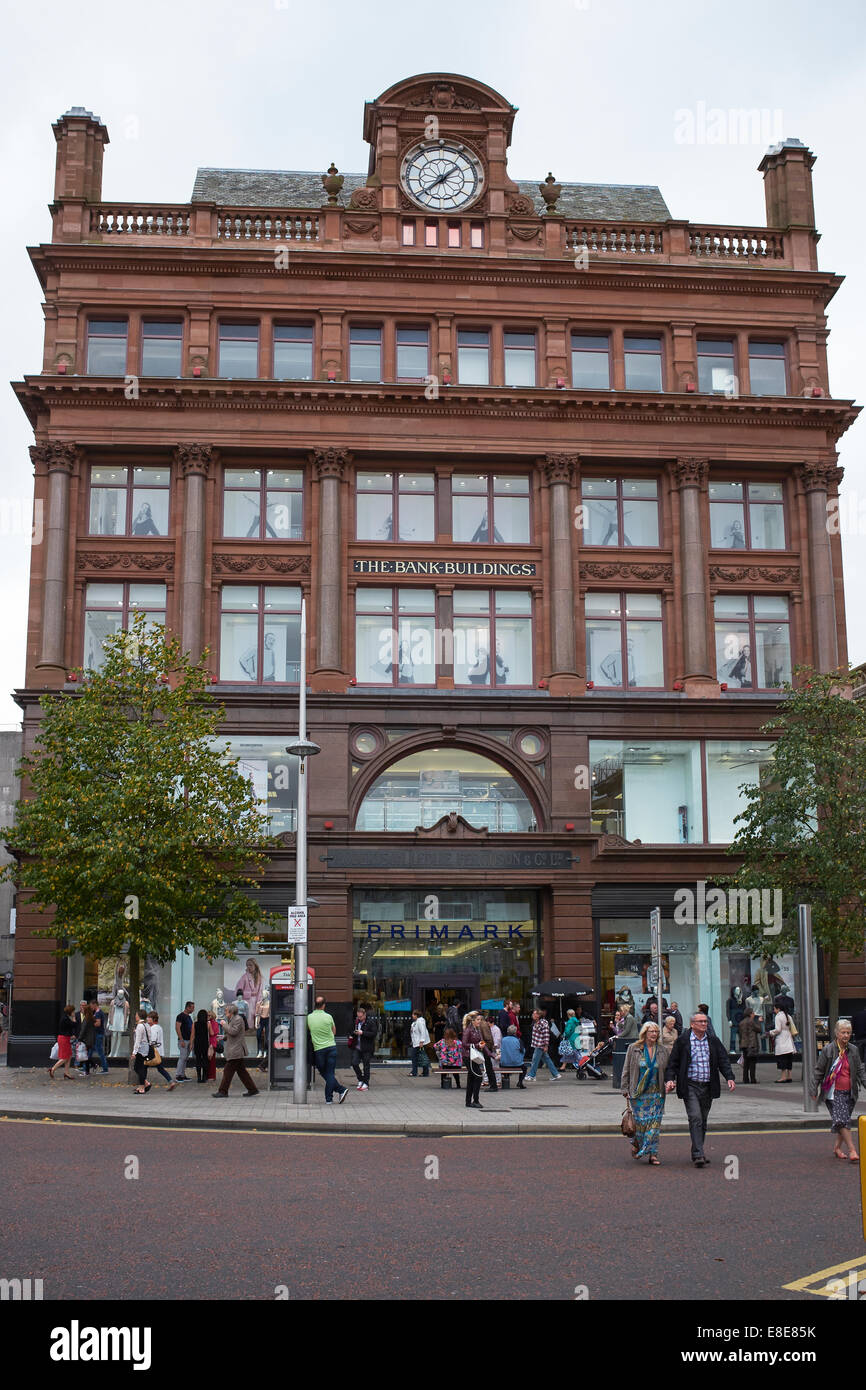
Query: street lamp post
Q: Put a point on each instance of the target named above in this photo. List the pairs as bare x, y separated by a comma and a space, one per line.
807, 999
302, 748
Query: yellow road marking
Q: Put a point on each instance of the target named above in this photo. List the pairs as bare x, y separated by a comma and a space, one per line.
803, 1285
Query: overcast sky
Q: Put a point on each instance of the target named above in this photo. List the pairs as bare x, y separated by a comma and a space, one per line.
272, 84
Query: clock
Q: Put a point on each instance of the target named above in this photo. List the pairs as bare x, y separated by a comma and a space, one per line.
443, 177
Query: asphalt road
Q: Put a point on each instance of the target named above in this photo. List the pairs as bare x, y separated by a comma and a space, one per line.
257, 1216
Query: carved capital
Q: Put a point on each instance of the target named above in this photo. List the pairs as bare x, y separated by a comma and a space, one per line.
195, 459
330, 463
820, 475
691, 472
55, 457
560, 468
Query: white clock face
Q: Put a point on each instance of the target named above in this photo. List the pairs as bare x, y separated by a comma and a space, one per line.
442, 177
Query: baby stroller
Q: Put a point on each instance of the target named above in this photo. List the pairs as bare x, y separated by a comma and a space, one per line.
586, 1065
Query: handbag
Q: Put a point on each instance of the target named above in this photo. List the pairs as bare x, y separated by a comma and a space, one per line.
351, 1041
54, 1053
627, 1124
475, 1055
153, 1058
81, 1053
792, 1027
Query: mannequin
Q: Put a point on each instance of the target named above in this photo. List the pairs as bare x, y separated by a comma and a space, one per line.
219, 1007
263, 1023
735, 1007
756, 1001
243, 1008
625, 996
118, 1019
250, 985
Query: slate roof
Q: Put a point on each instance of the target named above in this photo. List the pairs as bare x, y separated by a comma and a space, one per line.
286, 188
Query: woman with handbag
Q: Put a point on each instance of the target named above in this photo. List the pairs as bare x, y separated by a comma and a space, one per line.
65, 1043
86, 1037
473, 1060
643, 1085
568, 1048
838, 1077
141, 1048
158, 1040
783, 1032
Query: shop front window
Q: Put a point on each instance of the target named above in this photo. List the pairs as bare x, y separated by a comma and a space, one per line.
625, 967
260, 633
648, 791
421, 789
394, 636
732, 764
479, 948
272, 772
624, 640
753, 643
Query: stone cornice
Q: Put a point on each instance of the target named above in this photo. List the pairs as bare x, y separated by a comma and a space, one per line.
37, 394
332, 264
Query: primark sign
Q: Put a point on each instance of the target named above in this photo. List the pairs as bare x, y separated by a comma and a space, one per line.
430, 931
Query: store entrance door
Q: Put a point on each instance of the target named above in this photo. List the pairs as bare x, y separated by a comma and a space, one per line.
429, 991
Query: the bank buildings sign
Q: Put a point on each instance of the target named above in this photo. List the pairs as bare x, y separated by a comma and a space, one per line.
470, 569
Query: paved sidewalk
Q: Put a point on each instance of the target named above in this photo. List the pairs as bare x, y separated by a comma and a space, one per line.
395, 1104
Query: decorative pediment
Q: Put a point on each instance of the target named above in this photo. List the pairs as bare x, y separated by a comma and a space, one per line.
608, 842
452, 826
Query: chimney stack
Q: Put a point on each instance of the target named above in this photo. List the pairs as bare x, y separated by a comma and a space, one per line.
787, 170
80, 138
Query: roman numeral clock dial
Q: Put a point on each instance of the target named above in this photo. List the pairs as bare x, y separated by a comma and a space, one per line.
442, 177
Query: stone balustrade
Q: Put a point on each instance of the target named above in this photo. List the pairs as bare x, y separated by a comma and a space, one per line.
205, 224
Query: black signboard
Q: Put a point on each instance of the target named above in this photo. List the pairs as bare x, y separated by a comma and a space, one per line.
444, 857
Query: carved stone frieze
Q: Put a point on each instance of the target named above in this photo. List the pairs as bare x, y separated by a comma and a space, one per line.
361, 226
364, 200
614, 569
56, 456
261, 564
330, 463
525, 233
559, 468
451, 824
112, 559
443, 96
521, 206
738, 574
195, 458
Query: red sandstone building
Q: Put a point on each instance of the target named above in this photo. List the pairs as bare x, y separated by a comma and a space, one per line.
551, 469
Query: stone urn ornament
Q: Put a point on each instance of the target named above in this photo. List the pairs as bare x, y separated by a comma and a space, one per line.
332, 182
550, 191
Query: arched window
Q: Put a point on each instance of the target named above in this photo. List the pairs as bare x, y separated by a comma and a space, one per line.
422, 788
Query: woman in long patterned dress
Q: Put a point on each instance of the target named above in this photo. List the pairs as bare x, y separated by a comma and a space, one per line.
643, 1085
838, 1077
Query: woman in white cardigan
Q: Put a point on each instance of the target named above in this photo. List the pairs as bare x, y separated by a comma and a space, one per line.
784, 1046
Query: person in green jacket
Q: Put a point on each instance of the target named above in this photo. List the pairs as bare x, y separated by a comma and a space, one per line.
569, 1048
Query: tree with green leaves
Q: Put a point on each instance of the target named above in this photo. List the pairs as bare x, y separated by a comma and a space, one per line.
803, 830
139, 834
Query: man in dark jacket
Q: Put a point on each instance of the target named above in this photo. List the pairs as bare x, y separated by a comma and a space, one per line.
365, 1032
693, 1068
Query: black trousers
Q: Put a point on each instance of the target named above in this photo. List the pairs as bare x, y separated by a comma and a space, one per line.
491, 1074
361, 1065
698, 1102
473, 1083
749, 1065
140, 1068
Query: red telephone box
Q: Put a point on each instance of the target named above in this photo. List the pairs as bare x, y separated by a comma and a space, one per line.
281, 1052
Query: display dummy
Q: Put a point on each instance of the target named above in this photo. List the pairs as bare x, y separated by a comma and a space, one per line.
249, 986
118, 1020
218, 1006
735, 1007
758, 1003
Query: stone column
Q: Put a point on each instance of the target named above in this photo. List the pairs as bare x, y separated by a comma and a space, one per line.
60, 461
818, 478
559, 471
330, 468
690, 478
193, 462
